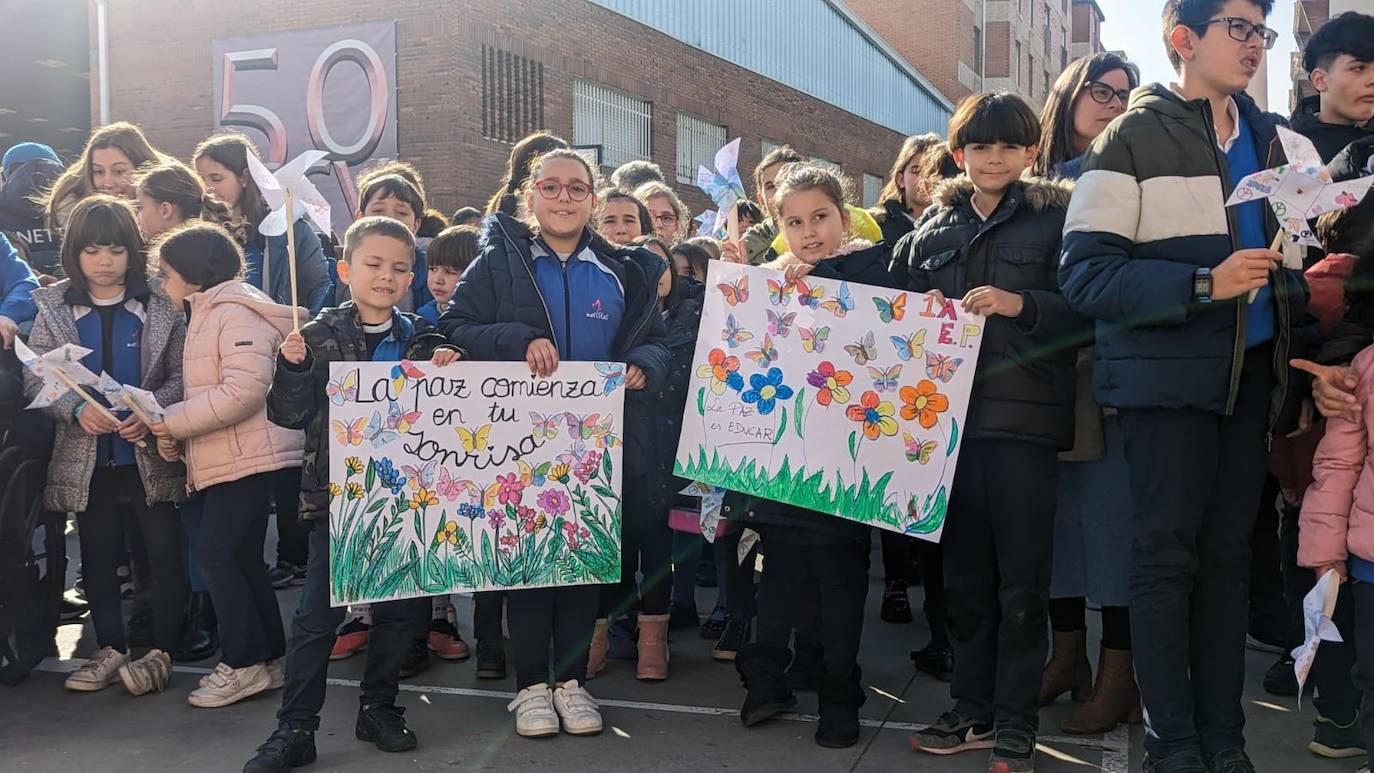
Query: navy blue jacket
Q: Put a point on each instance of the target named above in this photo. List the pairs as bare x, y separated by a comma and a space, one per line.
312, 271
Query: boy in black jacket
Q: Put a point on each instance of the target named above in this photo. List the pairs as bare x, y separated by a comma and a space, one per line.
378, 256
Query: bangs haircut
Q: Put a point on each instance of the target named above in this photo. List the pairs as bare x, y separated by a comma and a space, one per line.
377, 225
998, 116
1350, 33
392, 185
454, 248
102, 220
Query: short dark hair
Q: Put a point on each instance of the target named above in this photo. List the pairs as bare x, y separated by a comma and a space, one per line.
782, 154
201, 253
632, 174
997, 116
454, 248
104, 221
377, 225
1195, 14
746, 208
698, 259
938, 164
382, 186
462, 216
1350, 33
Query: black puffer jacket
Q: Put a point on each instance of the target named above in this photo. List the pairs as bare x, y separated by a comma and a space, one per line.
668, 403
1024, 388
894, 221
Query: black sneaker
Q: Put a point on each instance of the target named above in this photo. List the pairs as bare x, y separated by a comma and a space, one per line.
1280, 680
491, 659
953, 733
69, 609
417, 658
1186, 761
1230, 761
934, 661
896, 605
384, 726
284, 749
682, 618
285, 574
713, 626
1013, 752
1336, 741
735, 635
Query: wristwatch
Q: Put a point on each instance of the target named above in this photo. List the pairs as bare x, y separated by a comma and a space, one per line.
1202, 285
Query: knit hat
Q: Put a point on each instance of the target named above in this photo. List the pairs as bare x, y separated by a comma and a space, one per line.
25, 152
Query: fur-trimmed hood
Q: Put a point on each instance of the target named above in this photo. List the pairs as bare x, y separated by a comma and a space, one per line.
1041, 193
786, 259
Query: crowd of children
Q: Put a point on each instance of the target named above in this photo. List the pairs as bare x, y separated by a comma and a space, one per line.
1147, 361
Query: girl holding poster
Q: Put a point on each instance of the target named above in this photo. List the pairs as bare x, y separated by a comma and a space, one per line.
546, 291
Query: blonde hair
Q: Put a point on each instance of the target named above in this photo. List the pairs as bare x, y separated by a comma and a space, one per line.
654, 190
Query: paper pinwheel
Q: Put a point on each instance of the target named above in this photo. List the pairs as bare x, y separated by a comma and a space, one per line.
1317, 608
723, 184
707, 221
282, 190
1299, 191
142, 402
60, 369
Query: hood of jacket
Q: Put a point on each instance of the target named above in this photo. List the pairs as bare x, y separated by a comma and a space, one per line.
18, 209
1040, 193
251, 297
786, 259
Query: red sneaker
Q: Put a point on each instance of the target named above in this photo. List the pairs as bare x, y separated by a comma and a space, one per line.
352, 638
445, 642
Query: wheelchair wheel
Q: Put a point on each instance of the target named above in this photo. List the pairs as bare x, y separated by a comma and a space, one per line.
32, 569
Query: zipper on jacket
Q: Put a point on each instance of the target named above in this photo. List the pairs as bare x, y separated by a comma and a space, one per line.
1238, 346
529, 269
567, 305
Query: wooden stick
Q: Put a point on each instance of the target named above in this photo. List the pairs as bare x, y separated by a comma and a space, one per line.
1274, 246
138, 411
81, 393
291, 257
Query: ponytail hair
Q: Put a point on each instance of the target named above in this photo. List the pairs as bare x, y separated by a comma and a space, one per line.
202, 254
506, 200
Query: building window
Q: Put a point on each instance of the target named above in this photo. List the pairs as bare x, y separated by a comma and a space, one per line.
1063, 58
697, 143
1030, 75
978, 49
512, 95
1047, 84
617, 121
873, 186
1016, 63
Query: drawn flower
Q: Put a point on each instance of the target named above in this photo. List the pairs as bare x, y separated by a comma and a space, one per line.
923, 402
560, 472
423, 498
510, 540
541, 522
470, 511
874, 415
723, 371
587, 469
334, 490
497, 518
354, 465
570, 534
766, 389
389, 476
831, 383
448, 532
554, 502
355, 490
527, 516
511, 489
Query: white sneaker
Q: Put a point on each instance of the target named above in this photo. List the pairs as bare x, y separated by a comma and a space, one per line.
227, 686
149, 673
276, 673
101, 671
577, 708
534, 715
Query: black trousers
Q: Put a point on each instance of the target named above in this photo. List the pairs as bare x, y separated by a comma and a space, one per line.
739, 589
102, 533
564, 615
1196, 480
933, 592
233, 529
1269, 619
1362, 626
486, 615
821, 586
998, 542
896, 549
293, 534
646, 548
395, 625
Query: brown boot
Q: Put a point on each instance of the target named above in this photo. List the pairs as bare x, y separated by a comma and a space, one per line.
1068, 669
1115, 698
596, 656
653, 648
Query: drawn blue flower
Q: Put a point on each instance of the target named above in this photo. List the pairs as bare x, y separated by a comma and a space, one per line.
766, 389
390, 476
470, 511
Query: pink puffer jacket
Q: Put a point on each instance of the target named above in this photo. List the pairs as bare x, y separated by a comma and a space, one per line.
231, 349
1338, 512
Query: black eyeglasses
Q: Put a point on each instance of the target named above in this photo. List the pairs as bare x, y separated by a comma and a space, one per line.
1241, 30
1103, 93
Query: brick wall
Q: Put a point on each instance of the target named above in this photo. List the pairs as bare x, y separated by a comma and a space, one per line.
161, 79
911, 26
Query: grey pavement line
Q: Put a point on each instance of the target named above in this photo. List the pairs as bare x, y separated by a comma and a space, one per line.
1111, 743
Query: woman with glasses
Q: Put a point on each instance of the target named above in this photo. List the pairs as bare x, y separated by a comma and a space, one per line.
1092, 547
667, 210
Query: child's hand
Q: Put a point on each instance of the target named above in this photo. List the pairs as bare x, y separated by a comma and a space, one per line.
168, 449
635, 378
731, 252
444, 357
1336, 566
293, 348
1333, 388
95, 422
988, 300
160, 430
939, 297
132, 429
8, 330
796, 271
1304, 419
542, 357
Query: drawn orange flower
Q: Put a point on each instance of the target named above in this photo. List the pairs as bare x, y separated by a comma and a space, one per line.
875, 415
923, 402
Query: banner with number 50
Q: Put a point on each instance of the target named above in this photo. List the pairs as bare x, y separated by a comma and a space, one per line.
330, 89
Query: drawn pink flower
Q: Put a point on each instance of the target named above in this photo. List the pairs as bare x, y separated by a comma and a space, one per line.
587, 469
511, 489
527, 518
554, 502
510, 540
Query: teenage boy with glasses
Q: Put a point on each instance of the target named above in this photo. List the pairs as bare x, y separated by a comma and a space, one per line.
1198, 374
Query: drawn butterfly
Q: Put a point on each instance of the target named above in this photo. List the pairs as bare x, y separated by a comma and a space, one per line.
345, 391
583, 427
350, 434
918, 450
474, 442
842, 303
780, 326
735, 293
399, 420
889, 310
575, 455
420, 477
810, 297
909, 346
533, 476
942, 367
780, 293
614, 373
733, 334
766, 354
545, 427
864, 350
401, 371
378, 432
885, 380
814, 340
451, 488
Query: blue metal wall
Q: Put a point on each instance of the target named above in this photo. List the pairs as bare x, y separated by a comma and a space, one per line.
809, 45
